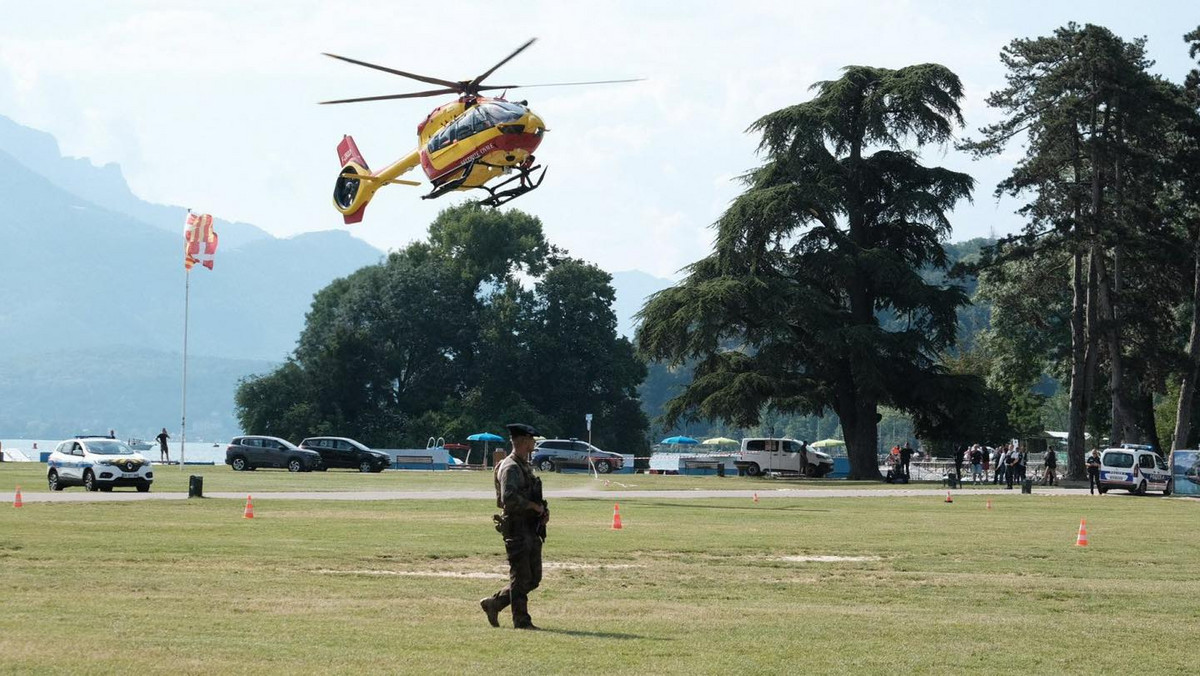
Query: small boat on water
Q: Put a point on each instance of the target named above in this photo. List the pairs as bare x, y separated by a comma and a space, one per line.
139, 445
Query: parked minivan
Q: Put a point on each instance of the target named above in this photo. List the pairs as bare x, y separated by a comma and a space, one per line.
1134, 468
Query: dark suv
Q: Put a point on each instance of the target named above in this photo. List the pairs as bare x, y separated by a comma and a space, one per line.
253, 452
574, 454
343, 452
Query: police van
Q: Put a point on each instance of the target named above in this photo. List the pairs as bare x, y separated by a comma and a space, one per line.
1135, 468
97, 464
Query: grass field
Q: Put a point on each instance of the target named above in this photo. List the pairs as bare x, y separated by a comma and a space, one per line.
706, 586
31, 477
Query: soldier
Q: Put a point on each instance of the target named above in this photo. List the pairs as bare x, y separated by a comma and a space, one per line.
523, 525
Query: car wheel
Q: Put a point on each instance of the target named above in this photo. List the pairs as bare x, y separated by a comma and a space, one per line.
239, 464
89, 481
294, 465
1140, 490
1102, 489
546, 466
143, 487
752, 469
1167, 489
364, 466
53, 482
603, 467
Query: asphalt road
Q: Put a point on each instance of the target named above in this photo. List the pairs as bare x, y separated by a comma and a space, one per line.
79, 495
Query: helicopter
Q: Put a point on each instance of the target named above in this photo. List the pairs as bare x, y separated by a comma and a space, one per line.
461, 145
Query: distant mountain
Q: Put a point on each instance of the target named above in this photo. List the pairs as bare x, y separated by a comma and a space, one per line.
134, 391
632, 288
92, 296
78, 275
105, 186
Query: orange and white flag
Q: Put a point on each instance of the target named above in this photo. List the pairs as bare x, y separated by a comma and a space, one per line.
200, 241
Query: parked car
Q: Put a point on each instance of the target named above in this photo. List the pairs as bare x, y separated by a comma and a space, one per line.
1135, 468
343, 452
549, 454
759, 455
97, 464
252, 452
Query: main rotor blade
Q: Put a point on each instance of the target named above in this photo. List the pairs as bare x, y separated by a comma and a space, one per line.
423, 78
474, 84
413, 95
563, 84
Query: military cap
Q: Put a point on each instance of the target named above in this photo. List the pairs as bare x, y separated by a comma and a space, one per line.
521, 430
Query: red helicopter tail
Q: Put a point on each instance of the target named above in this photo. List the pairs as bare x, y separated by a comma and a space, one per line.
346, 192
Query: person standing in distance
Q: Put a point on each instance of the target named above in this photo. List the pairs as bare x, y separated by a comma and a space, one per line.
1093, 470
162, 445
519, 494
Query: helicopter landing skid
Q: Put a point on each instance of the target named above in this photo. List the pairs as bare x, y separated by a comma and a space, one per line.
451, 185
527, 183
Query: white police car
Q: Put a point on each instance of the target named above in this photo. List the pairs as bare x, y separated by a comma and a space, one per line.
97, 464
1135, 468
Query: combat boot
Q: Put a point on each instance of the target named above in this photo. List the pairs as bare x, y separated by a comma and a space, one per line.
493, 615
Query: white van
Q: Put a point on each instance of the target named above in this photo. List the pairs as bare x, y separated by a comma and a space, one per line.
1135, 468
765, 455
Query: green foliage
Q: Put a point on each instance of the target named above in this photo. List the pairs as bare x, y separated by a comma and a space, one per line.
836, 227
442, 339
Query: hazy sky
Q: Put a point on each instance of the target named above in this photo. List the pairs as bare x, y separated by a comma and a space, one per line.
211, 104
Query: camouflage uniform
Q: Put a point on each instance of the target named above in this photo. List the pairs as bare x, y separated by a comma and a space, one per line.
517, 493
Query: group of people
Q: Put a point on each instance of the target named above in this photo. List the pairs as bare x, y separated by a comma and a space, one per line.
1007, 463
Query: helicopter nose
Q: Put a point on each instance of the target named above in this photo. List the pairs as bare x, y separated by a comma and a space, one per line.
534, 124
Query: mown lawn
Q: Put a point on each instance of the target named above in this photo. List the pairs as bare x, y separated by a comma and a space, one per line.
686, 587
31, 477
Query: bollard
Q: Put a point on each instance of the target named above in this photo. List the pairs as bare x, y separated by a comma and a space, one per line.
195, 486
1027, 486
721, 470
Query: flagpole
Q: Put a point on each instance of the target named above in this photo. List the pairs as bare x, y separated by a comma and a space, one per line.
187, 278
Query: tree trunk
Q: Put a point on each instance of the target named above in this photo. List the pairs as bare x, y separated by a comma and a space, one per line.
1145, 419
858, 426
1084, 354
1187, 389
1123, 428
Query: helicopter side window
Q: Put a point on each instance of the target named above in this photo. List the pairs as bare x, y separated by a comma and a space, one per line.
443, 138
470, 124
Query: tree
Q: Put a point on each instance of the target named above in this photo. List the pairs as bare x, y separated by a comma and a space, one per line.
443, 339
1185, 205
832, 230
1095, 124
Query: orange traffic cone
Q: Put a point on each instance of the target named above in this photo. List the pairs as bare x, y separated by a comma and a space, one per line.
989, 505
1081, 540
948, 498
616, 517
249, 513
17, 500
756, 497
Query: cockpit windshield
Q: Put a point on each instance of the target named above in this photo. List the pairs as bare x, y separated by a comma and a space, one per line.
480, 117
